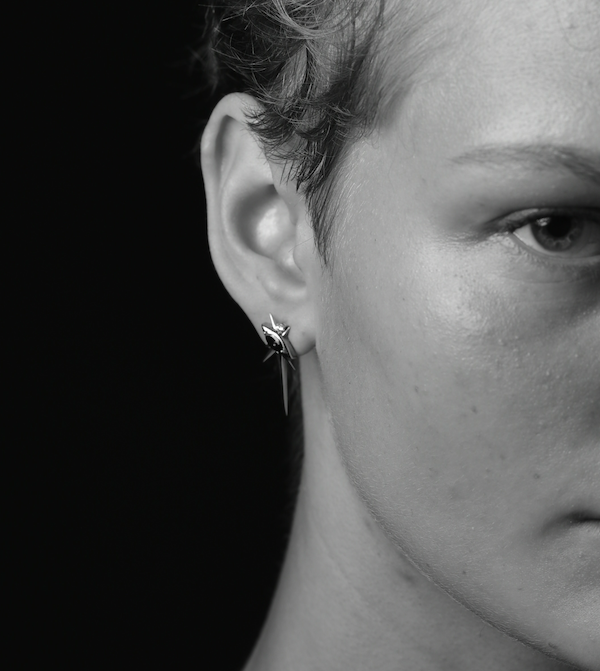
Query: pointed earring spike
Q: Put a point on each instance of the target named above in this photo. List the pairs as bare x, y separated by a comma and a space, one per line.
278, 343
284, 383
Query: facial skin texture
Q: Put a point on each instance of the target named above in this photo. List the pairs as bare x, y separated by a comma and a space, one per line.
452, 399
469, 365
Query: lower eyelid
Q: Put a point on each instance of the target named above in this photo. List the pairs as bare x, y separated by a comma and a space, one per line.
557, 262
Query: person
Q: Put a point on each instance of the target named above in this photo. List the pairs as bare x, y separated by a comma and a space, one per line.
404, 198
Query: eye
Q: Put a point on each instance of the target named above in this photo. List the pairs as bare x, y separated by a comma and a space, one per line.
563, 234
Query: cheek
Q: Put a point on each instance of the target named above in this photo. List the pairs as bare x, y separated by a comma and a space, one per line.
506, 362
465, 406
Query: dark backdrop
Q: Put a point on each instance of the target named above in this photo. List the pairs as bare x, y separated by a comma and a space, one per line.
157, 434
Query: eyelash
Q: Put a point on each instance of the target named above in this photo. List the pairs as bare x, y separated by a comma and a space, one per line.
514, 222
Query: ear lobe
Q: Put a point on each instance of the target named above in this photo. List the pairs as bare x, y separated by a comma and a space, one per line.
256, 218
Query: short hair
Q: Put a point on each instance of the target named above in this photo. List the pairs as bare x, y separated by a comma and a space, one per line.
317, 69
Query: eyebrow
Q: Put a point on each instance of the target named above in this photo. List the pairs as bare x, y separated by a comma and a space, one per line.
582, 163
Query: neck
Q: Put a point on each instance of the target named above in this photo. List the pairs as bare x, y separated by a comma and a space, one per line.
348, 599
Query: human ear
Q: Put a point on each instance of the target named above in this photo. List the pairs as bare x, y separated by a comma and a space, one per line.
260, 240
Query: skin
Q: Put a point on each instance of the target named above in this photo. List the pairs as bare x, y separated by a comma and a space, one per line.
450, 368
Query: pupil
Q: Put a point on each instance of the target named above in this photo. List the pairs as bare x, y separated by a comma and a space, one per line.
558, 227
557, 233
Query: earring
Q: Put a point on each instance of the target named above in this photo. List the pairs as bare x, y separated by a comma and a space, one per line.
278, 342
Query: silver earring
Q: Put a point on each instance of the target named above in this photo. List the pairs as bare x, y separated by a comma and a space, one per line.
278, 343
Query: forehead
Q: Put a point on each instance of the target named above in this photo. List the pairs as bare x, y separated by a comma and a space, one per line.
514, 71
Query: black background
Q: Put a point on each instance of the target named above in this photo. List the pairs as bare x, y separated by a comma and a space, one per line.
153, 433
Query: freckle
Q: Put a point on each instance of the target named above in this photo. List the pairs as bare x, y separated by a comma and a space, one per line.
416, 389
407, 578
474, 409
503, 457
536, 476
464, 572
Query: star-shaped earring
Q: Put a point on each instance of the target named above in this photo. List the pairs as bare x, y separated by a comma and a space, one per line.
278, 343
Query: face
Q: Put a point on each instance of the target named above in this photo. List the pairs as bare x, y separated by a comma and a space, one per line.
460, 338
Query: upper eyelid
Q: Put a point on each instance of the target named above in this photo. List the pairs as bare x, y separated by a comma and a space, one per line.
526, 216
